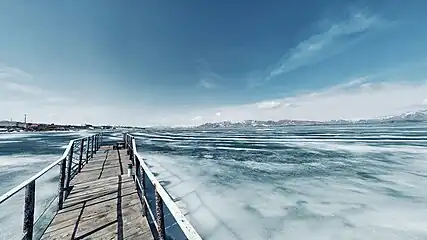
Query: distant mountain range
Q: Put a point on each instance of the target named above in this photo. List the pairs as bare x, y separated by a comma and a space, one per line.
417, 116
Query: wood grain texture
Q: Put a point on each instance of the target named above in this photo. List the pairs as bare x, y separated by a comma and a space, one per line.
103, 203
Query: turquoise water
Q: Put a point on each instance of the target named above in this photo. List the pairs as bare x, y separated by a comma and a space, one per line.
303, 182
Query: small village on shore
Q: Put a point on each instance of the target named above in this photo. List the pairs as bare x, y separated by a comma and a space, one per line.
15, 126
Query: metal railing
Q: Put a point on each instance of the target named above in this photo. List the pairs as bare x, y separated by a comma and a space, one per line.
158, 206
76, 155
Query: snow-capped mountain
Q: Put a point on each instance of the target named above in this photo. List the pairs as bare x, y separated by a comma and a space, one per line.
416, 116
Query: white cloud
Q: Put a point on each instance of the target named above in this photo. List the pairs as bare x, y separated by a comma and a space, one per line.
322, 45
14, 80
208, 78
278, 103
269, 104
11, 73
206, 84
58, 100
19, 95
81, 112
15, 84
22, 88
197, 118
350, 100
356, 99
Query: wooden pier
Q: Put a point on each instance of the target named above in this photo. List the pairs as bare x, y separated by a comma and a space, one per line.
104, 192
102, 204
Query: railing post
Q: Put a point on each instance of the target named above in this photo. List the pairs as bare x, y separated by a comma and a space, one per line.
127, 144
87, 149
91, 150
30, 198
96, 142
137, 174
140, 184
70, 162
125, 140
144, 206
100, 140
131, 155
159, 215
82, 141
61, 184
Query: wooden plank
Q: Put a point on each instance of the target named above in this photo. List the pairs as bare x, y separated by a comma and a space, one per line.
103, 203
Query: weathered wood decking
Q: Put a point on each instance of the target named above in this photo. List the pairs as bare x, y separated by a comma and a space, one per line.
103, 203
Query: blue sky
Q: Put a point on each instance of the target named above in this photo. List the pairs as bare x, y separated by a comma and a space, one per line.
189, 62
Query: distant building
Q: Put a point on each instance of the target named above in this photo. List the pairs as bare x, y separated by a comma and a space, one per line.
11, 124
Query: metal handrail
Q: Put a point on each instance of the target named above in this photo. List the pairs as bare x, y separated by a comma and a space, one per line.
65, 176
161, 196
16, 189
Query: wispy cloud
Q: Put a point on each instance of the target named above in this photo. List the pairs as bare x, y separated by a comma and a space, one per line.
58, 100
23, 88
20, 93
269, 104
205, 83
16, 83
322, 45
31, 93
273, 104
11, 73
358, 98
208, 79
197, 118
16, 80
354, 99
